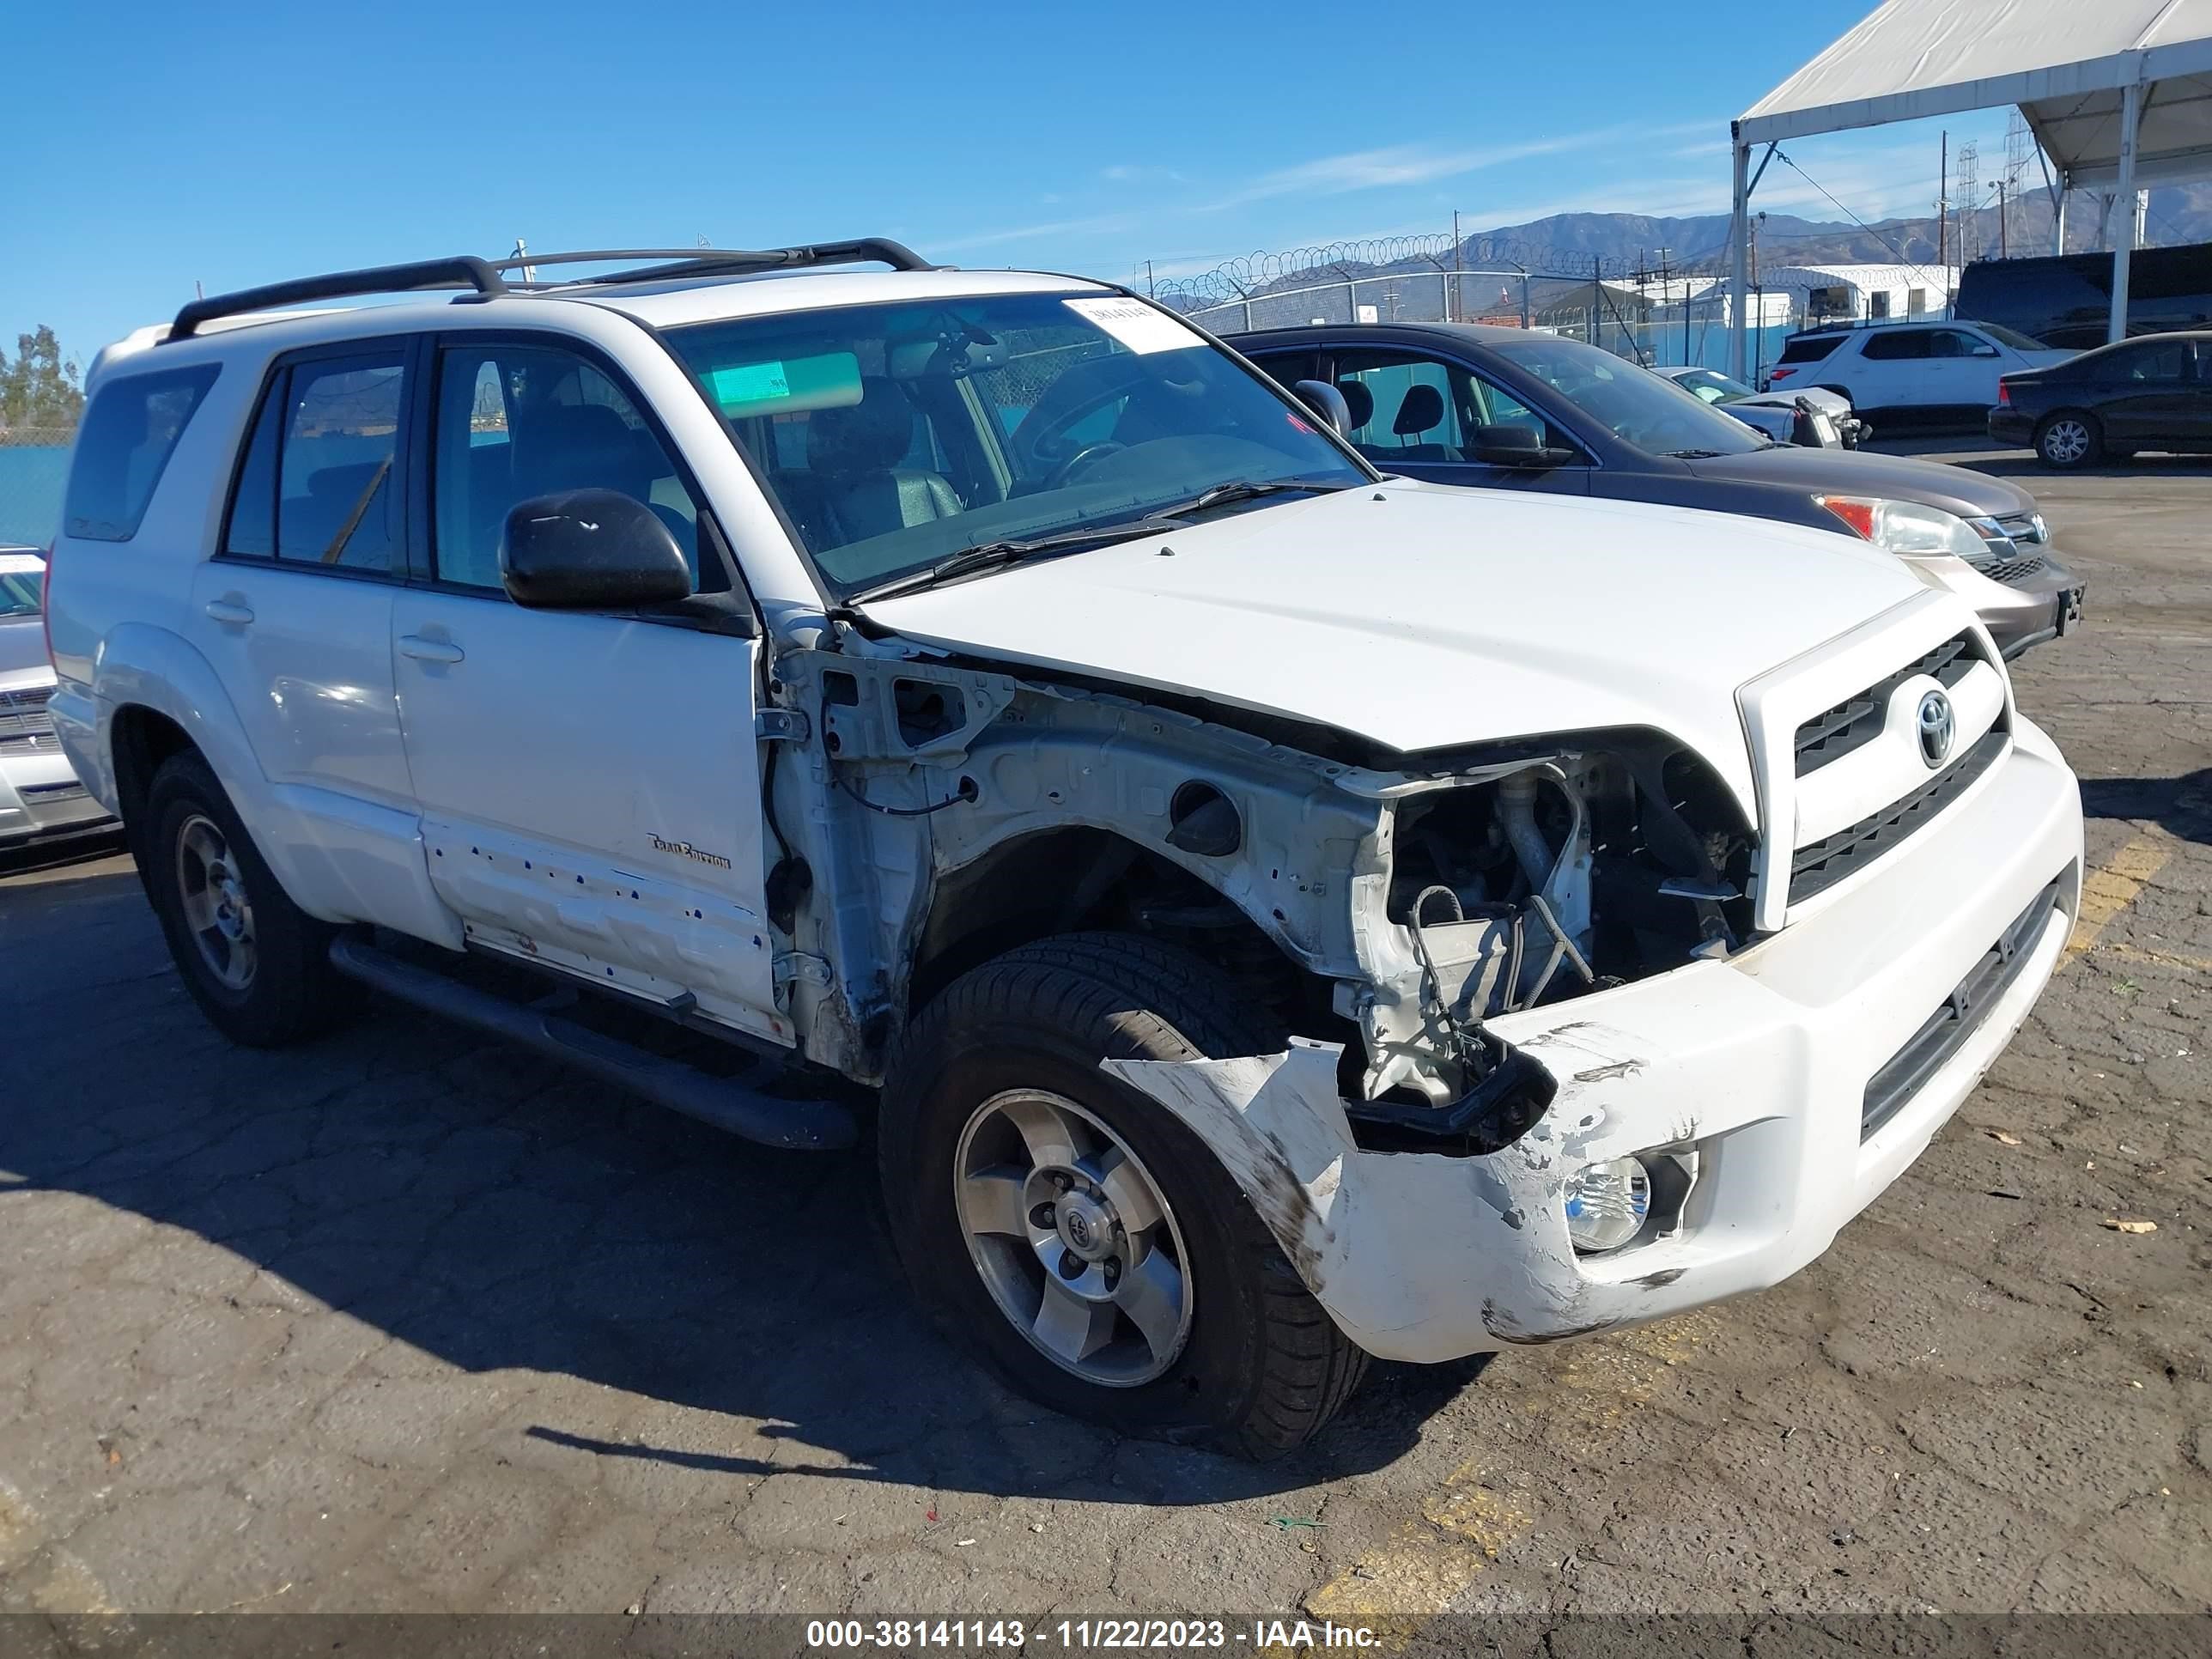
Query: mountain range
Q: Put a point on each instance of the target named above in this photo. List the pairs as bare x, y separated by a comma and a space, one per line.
1565, 243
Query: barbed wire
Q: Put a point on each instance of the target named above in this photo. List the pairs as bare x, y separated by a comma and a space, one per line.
1262, 272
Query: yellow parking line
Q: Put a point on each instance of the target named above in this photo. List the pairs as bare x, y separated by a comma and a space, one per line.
1396, 1589
2112, 886
2122, 952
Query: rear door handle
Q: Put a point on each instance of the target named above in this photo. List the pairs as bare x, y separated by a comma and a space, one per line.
423, 649
229, 610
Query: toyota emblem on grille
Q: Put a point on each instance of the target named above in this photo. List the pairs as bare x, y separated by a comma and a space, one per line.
1937, 724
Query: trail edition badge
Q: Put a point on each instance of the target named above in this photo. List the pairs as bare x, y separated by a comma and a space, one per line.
689, 851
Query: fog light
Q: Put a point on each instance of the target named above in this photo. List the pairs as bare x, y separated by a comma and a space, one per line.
1607, 1204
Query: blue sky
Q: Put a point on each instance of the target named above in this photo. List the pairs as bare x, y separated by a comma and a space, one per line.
234, 144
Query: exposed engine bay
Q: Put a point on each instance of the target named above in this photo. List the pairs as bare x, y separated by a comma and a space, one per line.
1561, 876
1388, 904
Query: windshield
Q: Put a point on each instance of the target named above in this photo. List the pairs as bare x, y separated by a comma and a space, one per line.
1637, 406
19, 595
2012, 336
896, 435
1711, 386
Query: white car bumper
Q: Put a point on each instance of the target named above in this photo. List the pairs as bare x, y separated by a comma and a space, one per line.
41, 798
1764, 1065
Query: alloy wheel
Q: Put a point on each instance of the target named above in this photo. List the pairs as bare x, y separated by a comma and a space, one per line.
2065, 442
212, 893
1072, 1238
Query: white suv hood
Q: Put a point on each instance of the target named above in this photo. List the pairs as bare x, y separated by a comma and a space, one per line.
1424, 618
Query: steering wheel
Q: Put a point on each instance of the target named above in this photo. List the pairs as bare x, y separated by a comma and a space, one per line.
1088, 455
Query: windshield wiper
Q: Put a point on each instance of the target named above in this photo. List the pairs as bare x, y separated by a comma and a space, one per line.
996, 555
1695, 455
1246, 490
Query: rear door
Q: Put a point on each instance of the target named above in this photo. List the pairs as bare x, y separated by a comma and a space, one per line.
1894, 370
293, 612
589, 783
2145, 393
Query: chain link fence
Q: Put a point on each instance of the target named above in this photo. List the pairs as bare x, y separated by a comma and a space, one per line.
1661, 318
33, 464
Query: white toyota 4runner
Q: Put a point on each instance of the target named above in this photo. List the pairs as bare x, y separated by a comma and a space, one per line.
1285, 913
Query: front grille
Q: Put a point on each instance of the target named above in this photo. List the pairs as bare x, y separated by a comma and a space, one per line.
23, 717
1834, 733
1820, 864
2021, 527
1961, 1015
2013, 570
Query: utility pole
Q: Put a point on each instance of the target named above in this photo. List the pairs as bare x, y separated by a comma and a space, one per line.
1597, 265
1943, 205
1150, 292
1459, 268
2004, 246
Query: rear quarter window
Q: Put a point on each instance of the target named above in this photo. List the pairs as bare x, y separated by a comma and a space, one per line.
1810, 350
128, 434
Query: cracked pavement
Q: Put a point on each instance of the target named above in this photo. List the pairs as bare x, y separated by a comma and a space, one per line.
408, 1320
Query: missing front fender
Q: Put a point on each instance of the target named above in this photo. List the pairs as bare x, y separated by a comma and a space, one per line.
1513, 1094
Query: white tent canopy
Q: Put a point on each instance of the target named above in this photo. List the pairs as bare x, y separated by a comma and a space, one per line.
2118, 91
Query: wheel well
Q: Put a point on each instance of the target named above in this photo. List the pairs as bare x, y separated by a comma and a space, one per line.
141, 739
1079, 878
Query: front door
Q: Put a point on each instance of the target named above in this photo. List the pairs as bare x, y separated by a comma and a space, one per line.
589, 783
1422, 415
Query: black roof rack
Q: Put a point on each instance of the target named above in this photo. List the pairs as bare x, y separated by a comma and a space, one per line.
464, 270
678, 263
484, 275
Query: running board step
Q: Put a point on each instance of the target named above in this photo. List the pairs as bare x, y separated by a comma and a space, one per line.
803, 1125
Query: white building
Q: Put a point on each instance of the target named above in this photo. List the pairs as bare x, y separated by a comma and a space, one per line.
1861, 293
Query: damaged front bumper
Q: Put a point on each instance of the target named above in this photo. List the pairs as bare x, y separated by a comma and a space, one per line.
1797, 1080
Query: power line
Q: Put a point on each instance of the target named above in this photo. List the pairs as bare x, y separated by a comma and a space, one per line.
1910, 264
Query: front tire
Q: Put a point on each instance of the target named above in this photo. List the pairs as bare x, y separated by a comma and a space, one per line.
2070, 440
1074, 1234
258, 965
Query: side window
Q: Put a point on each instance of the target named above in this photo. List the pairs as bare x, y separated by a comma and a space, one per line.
124, 443
1287, 368
1403, 407
1955, 342
516, 421
338, 503
1495, 406
250, 531
2168, 362
1897, 345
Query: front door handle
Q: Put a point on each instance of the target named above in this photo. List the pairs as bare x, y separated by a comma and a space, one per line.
423, 649
229, 610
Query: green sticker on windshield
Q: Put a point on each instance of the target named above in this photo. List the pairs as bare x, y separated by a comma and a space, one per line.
750, 383
785, 385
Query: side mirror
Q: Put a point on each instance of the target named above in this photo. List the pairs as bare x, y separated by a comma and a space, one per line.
1326, 401
1511, 444
590, 549
1985, 350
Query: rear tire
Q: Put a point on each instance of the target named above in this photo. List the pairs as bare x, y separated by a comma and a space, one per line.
1233, 1352
2068, 440
258, 965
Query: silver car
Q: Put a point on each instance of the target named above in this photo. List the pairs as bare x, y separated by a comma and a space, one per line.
1775, 413
41, 799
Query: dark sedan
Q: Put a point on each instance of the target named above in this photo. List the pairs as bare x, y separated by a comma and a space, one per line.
2151, 392
1513, 409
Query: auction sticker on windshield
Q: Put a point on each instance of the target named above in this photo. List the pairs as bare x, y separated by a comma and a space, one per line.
1136, 325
